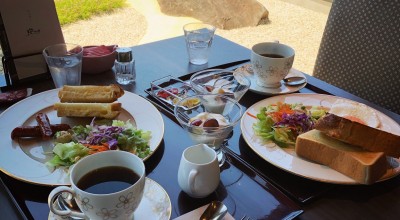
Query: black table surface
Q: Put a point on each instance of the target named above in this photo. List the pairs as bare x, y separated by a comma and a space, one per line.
249, 185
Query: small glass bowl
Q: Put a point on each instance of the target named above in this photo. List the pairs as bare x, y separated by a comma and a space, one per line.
220, 81
214, 137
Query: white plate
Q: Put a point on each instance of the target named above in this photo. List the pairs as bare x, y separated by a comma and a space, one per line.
283, 89
286, 158
24, 159
155, 204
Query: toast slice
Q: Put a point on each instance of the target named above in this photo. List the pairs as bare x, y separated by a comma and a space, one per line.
100, 110
372, 139
363, 166
82, 94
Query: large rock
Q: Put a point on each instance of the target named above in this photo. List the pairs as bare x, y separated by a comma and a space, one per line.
224, 14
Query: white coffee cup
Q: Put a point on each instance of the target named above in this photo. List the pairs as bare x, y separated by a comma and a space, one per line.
117, 205
198, 173
271, 62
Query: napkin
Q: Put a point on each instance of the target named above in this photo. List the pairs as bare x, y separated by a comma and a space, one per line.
195, 214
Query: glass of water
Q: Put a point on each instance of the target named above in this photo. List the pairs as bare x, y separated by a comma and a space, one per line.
65, 63
199, 38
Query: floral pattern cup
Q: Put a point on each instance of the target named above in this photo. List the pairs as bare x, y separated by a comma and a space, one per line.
271, 62
118, 205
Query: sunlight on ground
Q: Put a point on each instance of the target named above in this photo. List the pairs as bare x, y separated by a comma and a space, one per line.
299, 25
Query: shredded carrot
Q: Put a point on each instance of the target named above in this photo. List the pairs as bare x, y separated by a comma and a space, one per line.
251, 115
97, 148
282, 109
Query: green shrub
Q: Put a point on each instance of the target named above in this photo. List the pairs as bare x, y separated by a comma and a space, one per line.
70, 11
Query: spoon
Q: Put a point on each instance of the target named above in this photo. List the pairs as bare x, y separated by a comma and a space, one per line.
68, 204
294, 80
215, 211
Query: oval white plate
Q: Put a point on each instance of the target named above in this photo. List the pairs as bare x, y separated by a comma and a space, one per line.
286, 159
283, 89
24, 159
155, 204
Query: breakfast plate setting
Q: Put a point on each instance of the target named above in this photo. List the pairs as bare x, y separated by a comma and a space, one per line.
25, 158
286, 157
246, 69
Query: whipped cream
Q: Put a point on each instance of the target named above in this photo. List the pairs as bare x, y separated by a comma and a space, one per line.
204, 116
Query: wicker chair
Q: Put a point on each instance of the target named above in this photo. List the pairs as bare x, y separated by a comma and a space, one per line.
360, 50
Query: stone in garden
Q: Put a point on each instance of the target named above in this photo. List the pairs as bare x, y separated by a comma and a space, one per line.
224, 14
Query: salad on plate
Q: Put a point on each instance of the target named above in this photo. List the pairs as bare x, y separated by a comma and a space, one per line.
282, 122
98, 136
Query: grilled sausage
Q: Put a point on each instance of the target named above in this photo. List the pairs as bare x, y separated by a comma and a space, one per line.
44, 125
34, 131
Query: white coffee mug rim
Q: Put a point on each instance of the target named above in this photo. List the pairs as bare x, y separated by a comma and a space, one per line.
214, 157
75, 187
263, 44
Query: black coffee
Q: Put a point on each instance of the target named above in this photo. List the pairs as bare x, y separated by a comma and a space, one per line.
107, 180
271, 55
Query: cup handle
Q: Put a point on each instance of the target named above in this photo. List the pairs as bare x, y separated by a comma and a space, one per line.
54, 196
191, 179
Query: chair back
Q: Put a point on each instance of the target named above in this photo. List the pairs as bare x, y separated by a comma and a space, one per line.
360, 50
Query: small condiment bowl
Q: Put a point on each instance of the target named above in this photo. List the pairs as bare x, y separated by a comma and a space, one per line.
98, 64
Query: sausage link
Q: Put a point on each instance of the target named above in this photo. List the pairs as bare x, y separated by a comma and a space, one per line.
44, 125
34, 131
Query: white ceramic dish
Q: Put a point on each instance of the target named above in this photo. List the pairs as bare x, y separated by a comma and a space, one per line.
286, 158
283, 89
155, 204
24, 159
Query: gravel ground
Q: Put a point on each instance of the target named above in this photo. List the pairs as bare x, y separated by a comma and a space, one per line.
123, 27
290, 24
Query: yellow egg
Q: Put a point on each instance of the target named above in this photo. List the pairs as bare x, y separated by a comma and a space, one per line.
356, 112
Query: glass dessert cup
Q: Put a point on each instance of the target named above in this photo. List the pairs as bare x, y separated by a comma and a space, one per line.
225, 110
220, 81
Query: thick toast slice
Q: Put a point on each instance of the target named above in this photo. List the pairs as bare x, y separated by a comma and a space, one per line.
363, 166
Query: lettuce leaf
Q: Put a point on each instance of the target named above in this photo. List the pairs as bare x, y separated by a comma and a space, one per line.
67, 154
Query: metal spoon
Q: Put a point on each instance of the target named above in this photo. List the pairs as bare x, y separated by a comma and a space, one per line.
68, 203
294, 80
215, 211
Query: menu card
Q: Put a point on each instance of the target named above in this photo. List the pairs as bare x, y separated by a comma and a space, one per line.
30, 26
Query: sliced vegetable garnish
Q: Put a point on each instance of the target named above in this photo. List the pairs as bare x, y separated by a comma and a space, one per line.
99, 136
283, 122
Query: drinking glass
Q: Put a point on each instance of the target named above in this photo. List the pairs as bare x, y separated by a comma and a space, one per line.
199, 38
65, 63
210, 106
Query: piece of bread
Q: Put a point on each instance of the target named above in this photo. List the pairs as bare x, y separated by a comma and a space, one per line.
363, 166
82, 94
101, 110
372, 139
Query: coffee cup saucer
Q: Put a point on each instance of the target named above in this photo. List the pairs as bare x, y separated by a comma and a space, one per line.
283, 89
155, 204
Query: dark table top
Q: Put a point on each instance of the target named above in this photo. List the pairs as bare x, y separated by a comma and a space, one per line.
249, 185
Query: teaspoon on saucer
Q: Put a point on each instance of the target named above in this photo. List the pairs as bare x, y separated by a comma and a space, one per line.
294, 80
215, 211
68, 204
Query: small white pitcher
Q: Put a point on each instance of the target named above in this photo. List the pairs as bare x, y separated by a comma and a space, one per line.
198, 173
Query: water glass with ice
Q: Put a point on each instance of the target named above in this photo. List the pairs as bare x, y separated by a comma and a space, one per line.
65, 63
199, 38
